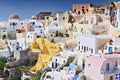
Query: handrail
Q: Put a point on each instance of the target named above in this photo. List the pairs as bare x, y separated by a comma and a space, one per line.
110, 71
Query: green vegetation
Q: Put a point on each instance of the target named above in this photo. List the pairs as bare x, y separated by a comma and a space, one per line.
38, 74
2, 65
70, 60
2, 62
6, 78
12, 35
35, 76
24, 68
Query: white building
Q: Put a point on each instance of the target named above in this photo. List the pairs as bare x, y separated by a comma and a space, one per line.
118, 18
4, 51
112, 46
87, 44
48, 17
30, 37
57, 60
40, 31
89, 19
11, 45
54, 26
19, 44
64, 74
92, 43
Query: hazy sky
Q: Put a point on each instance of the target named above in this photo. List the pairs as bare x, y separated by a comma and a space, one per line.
27, 8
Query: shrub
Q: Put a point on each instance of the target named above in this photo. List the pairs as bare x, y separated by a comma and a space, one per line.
2, 62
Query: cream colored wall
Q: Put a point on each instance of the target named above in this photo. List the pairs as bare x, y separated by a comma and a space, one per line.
21, 35
60, 19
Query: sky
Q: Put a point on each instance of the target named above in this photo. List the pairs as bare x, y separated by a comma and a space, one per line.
27, 8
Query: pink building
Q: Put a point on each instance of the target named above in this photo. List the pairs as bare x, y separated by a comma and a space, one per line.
24, 27
105, 67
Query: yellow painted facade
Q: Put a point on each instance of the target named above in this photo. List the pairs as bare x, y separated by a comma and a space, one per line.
46, 22
2, 44
46, 49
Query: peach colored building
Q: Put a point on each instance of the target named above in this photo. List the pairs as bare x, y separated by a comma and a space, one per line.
24, 27
81, 8
104, 67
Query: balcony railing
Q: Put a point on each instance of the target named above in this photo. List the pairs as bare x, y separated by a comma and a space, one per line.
110, 71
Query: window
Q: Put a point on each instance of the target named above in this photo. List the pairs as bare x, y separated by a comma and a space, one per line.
82, 47
84, 18
14, 24
89, 65
92, 20
17, 43
78, 12
40, 26
79, 47
83, 7
91, 50
10, 24
63, 18
41, 31
87, 48
47, 17
74, 10
55, 19
87, 10
56, 60
55, 24
13, 27
107, 66
10, 43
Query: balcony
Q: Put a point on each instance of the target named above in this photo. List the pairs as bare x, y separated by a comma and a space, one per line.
111, 71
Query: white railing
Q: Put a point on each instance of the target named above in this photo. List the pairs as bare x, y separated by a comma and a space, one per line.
110, 71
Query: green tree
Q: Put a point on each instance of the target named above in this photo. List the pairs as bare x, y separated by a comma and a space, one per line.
38, 75
2, 62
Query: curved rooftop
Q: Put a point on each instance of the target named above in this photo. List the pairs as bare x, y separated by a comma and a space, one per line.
13, 16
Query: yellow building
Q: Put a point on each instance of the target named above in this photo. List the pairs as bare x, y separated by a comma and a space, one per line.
2, 44
46, 49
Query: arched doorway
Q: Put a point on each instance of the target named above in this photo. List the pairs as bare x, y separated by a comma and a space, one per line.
4, 36
6, 73
27, 79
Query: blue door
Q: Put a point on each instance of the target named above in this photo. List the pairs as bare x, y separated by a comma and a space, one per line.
110, 49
